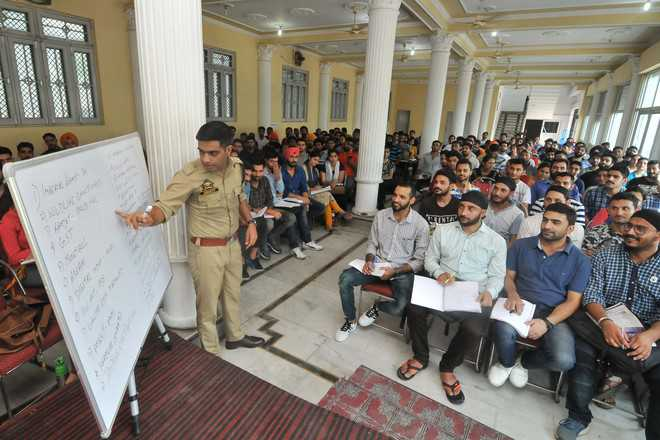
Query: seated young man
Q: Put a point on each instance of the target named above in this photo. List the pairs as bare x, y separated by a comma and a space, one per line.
439, 207
550, 272
531, 226
522, 195
625, 273
620, 209
399, 236
503, 216
466, 250
565, 180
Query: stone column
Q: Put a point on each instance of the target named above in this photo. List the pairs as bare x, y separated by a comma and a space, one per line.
485, 108
264, 62
477, 104
135, 70
462, 93
595, 99
357, 109
625, 132
172, 119
324, 96
606, 114
435, 94
377, 82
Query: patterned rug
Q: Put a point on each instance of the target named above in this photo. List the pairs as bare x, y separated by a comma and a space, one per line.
187, 393
386, 406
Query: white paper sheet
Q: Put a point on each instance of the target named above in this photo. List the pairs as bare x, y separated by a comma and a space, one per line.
379, 268
458, 296
293, 200
259, 213
320, 190
517, 321
280, 203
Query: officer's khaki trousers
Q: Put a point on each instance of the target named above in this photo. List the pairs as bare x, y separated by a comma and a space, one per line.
216, 272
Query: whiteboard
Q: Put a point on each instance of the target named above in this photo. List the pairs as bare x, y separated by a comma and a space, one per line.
104, 280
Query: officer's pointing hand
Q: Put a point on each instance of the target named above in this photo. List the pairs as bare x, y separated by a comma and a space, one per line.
135, 219
251, 235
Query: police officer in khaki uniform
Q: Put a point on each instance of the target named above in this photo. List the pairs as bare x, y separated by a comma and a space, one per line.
211, 189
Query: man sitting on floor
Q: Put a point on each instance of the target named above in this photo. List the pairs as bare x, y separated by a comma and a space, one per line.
550, 272
531, 226
503, 216
625, 273
466, 250
399, 236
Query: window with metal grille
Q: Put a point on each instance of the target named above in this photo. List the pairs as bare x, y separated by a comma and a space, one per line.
339, 100
294, 94
220, 84
646, 128
47, 68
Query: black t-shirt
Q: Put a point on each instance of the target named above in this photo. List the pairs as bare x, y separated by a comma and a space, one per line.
429, 209
589, 179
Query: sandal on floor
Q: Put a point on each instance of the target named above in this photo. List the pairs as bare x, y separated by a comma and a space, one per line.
456, 399
409, 368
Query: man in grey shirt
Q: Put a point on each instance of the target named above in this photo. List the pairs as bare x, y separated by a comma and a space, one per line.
431, 162
399, 237
503, 216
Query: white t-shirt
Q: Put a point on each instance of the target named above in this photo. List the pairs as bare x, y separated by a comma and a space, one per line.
522, 194
531, 227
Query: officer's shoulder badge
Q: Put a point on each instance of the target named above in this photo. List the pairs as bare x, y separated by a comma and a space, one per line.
207, 187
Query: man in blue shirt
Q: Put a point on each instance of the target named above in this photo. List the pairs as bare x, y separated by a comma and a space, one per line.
550, 272
627, 273
295, 187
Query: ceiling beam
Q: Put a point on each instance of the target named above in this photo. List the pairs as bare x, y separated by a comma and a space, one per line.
577, 21
293, 38
545, 51
552, 67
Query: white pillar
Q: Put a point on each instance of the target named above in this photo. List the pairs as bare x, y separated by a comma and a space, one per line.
625, 131
606, 114
595, 99
324, 97
135, 70
462, 93
172, 119
477, 104
357, 109
264, 62
435, 94
383, 16
485, 108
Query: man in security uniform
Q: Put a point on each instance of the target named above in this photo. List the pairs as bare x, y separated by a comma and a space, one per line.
211, 189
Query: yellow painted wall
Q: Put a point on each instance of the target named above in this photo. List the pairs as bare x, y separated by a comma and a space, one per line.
245, 46
114, 71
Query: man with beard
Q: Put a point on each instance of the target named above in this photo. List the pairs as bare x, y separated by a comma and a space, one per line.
466, 250
625, 273
463, 172
550, 272
399, 236
440, 207
522, 195
599, 197
619, 210
295, 187
503, 216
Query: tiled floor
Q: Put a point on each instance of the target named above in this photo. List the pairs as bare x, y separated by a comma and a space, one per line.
301, 303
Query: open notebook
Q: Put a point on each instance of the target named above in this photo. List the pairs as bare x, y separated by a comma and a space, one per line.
519, 322
459, 296
379, 268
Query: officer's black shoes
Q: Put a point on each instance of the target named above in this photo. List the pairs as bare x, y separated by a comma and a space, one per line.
246, 342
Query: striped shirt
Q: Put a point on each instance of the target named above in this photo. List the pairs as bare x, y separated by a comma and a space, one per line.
399, 243
538, 208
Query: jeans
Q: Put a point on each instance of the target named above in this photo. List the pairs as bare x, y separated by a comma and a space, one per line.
556, 351
471, 328
286, 223
303, 223
401, 286
583, 378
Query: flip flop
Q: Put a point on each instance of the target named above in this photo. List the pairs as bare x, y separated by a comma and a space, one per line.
409, 367
456, 399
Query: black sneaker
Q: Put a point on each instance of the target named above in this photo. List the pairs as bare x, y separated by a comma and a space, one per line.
246, 274
369, 316
265, 254
274, 248
254, 264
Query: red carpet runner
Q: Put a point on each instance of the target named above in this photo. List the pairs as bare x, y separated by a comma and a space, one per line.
388, 407
189, 394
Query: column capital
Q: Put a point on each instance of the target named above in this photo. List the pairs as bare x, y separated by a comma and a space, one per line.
609, 77
265, 52
483, 76
359, 77
465, 65
130, 13
441, 41
325, 68
635, 64
384, 4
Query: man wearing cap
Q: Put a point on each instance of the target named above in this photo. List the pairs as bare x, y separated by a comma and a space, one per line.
627, 273
211, 188
503, 216
466, 250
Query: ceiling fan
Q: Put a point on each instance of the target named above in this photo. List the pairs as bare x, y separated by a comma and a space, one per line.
356, 29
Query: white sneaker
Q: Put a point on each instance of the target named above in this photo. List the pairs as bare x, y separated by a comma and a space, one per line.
369, 317
313, 245
298, 253
498, 374
519, 374
344, 332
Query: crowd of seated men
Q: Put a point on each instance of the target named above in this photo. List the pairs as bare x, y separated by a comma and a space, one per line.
568, 231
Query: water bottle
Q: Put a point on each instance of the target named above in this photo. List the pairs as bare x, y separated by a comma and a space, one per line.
61, 371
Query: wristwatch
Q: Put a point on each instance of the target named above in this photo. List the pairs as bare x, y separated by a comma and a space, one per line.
252, 222
548, 323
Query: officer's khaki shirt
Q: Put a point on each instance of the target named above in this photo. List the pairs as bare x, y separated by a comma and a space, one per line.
212, 198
